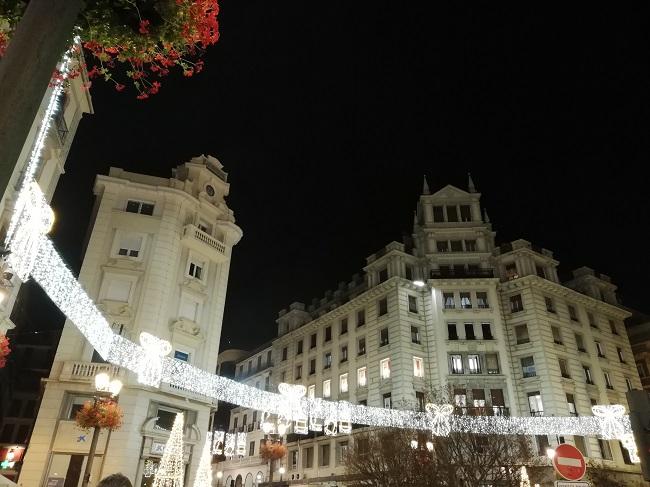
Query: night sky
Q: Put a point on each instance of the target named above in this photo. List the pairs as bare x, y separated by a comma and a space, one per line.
327, 114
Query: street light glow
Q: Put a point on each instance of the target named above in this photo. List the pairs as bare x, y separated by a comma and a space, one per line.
550, 452
219, 474
281, 470
418, 283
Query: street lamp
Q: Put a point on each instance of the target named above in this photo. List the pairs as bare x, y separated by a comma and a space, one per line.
219, 475
105, 388
259, 478
281, 470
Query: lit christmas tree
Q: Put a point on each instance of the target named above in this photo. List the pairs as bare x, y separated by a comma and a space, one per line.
204, 472
171, 470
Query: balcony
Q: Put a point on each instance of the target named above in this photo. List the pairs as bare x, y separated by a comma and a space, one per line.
196, 239
186, 393
481, 411
461, 274
86, 371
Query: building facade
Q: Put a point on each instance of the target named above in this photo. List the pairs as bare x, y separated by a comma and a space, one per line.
157, 261
448, 312
31, 355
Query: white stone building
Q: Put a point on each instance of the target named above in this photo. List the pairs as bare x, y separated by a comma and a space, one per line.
157, 260
448, 308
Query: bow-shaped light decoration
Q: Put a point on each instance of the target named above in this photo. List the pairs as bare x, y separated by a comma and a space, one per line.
439, 418
630, 446
151, 363
611, 421
292, 409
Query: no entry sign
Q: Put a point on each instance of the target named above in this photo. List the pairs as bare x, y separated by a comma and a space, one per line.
569, 462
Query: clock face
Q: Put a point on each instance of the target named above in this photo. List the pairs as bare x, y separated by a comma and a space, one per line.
210, 190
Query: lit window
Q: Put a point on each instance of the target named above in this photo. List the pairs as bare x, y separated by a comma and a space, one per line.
311, 391
180, 355
362, 378
535, 404
418, 368
387, 401
528, 367
456, 364
384, 367
448, 299
343, 383
465, 300
474, 364
482, 300
327, 390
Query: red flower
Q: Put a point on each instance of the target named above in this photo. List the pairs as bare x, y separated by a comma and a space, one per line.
119, 87
188, 72
142, 96
93, 72
155, 86
144, 26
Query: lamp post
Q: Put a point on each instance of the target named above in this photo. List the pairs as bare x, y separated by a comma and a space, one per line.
259, 478
104, 388
281, 470
219, 475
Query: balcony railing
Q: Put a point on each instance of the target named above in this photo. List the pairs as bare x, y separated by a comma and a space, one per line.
461, 273
196, 237
86, 371
482, 411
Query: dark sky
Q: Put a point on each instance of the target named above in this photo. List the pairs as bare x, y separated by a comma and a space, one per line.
327, 114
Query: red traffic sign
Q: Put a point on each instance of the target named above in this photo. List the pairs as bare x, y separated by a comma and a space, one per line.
569, 462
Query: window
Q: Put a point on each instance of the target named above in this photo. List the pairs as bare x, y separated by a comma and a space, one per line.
312, 341
361, 345
528, 367
599, 349
571, 403
592, 321
413, 304
612, 327
486, 329
118, 289
452, 214
195, 269
642, 369
460, 399
415, 334
419, 399
343, 383
628, 384
438, 214
482, 300
492, 363
542, 444
328, 334
478, 398
383, 306
308, 457
465, 213
418, 367
180, 355
469, 331
251, 449
580, 444
361, 317
383, 337
511, 271
324, 455
383, 275
442, 246
284, 353
343, 326
540, 271
448, 299
452, 331
621, 357
384, 368
327, 388
294, 459
387, 401
521, 333
456, 245
557, 337
564, 368
625, 453
267, 382
130, 245
344, 353
283, 376
166, 418
133, 206
550, 307
250, 366
605, 450
608, 380
535, 404
572, 312
580, 343
298, 371
587, 371
456, 364
470, 245
408, 270
327, 360
474, 365
516, 304
341, 452
312, 366
311, 391
362, 378
259, 362
299, 350
465, 300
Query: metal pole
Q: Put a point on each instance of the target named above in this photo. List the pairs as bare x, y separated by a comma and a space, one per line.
40, 39
91, 457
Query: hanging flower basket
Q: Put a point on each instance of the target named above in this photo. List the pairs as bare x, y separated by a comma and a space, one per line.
104, 414
4, 350
136, 41
273, 451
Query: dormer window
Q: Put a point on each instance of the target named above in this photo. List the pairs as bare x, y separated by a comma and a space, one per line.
465, 213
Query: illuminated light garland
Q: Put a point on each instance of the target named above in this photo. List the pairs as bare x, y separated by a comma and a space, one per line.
217, 442
150, 468
171, 470
204, 472
151, 364
439, 418
36, 253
